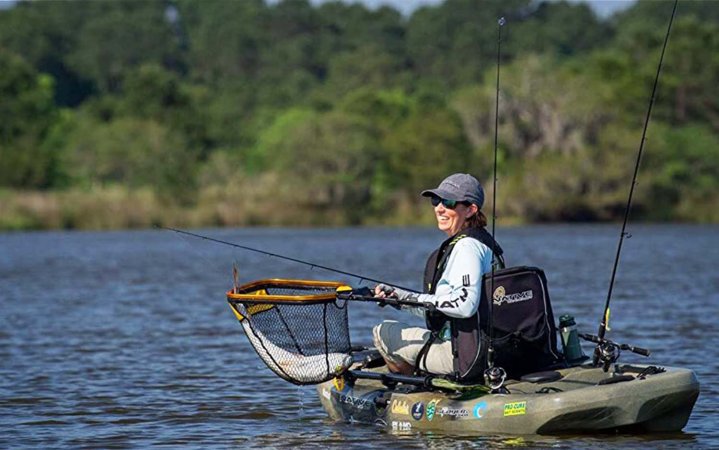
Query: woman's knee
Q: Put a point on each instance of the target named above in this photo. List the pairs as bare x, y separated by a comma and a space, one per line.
376, 336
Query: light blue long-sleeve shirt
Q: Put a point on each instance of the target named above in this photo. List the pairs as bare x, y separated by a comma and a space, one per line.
459, 289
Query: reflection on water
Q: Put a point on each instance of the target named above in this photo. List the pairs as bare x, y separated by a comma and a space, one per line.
124, 339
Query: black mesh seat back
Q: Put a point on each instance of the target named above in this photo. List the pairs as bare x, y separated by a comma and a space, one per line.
524, 333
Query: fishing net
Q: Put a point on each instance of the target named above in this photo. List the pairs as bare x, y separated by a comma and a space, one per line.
298, 328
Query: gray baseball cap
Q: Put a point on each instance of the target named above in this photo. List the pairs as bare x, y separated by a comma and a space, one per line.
460, 187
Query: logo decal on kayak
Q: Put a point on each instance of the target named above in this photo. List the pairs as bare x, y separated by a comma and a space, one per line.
480, 409
453, 412
401, 426
500, 296
515, 409
357, 402
432, 408
400, 407
417, 411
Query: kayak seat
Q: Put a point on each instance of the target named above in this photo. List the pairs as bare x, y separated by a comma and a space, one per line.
542, 377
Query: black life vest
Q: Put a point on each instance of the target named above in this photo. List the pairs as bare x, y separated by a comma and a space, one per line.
468, 340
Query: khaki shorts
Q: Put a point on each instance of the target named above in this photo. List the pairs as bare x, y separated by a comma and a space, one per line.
399, 342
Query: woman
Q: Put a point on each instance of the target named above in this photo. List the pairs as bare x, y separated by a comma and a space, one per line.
453, 281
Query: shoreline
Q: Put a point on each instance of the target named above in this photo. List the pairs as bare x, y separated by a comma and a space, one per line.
118, 208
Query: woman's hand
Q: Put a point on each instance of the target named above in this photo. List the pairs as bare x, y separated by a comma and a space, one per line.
386, 291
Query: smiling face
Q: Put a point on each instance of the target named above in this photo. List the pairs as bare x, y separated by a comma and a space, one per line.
451, 221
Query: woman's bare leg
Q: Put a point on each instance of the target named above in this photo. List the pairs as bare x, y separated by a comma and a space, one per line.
400, 367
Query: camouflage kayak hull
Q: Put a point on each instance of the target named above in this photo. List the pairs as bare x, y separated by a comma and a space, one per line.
584, 399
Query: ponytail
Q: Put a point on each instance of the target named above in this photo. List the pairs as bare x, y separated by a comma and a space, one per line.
478, 220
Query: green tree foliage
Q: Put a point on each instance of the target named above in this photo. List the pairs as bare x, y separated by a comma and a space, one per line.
387, 108
102, 51
225, 38
681, 174
544, 108
88, 41
151, 92
130, 152
329, 157
454, 43
345, 112
557, 28
688, 90
367, 66
434, 142
691, 88
26, 113
655, 14
44, 33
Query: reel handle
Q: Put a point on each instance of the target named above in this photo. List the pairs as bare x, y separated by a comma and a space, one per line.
590, 337
637, 350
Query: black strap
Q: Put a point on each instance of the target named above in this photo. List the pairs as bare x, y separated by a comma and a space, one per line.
422, 355
498, 262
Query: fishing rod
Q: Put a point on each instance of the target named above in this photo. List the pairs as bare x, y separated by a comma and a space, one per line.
495, 376
286, 258
605, 315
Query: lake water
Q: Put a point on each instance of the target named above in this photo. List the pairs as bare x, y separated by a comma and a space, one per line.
125, 340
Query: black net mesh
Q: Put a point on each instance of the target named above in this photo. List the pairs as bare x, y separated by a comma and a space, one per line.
304, 340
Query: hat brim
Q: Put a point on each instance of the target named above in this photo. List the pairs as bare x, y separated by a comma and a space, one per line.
441, 194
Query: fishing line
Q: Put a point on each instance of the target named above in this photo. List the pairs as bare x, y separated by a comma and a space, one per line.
286, 258
199, 254
623, 233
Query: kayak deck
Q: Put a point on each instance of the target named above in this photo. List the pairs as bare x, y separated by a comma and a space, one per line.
584, 399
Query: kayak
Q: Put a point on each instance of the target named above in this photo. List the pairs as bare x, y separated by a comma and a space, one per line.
628, 398
299, 329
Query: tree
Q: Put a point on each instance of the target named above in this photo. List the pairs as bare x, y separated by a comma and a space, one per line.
26, 113
424, 149
454, 43
44, 33
133, 153
366, 67
225, 39
679, 171
119, 36
544, 107
560, 29
691, 72
328, 158
687, 91
151, 92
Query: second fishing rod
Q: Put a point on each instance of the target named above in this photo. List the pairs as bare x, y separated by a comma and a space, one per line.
494, 376
604, 323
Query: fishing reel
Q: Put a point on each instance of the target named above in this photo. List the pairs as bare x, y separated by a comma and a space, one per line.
607, 352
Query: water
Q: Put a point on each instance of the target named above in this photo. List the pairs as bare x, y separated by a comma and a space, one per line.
124, 339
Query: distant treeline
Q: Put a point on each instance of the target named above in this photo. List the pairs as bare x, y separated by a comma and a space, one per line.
204, 113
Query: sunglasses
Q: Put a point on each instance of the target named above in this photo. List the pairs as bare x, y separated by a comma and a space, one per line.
449, 204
